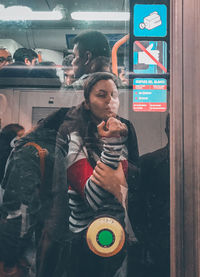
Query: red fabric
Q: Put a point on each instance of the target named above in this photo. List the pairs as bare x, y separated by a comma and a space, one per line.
78, 173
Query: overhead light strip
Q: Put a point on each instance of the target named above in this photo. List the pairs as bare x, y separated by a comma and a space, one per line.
23, 13
101, 16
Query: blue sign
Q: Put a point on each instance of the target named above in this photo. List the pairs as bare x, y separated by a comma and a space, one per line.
150, 57
149, 95
150, 20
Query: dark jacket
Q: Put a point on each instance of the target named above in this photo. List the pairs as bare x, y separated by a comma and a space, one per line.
155, 200
17, 69
5, 149
35, 211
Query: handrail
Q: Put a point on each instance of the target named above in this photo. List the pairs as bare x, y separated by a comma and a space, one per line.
114, 53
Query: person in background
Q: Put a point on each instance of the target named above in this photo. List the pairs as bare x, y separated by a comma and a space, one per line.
155, 202
68, 70
46, 69
7, 134
25, 56
24, 60
34, 210
88, 46
100, 64
122, 77
5, 57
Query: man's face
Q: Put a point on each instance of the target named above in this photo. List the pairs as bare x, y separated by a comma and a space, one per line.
69, 76
78, 63
5, 57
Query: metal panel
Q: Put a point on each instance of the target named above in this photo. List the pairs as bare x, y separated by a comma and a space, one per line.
39, 113
185, 139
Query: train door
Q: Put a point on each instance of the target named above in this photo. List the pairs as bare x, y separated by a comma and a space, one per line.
153, 230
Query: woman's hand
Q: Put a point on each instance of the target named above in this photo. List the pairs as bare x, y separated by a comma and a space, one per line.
112, 128
112, 180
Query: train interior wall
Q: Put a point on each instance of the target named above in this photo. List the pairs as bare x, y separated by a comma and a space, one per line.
27, 105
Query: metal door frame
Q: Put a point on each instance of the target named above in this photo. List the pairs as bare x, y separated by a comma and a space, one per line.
185, 138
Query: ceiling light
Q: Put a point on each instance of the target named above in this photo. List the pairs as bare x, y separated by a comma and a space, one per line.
53, 15
101, 16
17, 13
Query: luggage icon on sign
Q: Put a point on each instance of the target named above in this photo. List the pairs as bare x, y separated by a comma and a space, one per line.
151, 21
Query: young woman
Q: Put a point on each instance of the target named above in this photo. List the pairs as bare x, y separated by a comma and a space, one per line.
97, 133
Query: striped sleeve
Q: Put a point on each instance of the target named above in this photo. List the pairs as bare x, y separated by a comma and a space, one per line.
95, 195
79, 170
112, 149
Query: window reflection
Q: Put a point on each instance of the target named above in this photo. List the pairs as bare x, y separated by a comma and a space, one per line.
78, 161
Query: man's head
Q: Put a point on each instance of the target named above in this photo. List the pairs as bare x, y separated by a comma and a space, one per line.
88, 45
27, 56
5, 57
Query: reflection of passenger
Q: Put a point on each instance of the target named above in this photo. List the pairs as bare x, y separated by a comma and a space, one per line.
122, 76
155, 195
88, 46
89, 195
68, 70
24, 59
45, 70
100, 64
33, 225
7, 134
5, 57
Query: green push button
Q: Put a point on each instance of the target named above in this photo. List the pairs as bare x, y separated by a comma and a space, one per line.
105, 238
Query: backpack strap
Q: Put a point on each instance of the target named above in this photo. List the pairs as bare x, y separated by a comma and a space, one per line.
42, 152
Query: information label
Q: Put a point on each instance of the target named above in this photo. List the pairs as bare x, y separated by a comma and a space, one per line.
150, 57
149, 95
150, 20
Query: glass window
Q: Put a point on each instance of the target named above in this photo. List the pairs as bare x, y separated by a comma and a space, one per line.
84, 140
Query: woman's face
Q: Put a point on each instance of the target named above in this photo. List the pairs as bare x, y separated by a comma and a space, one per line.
104, 100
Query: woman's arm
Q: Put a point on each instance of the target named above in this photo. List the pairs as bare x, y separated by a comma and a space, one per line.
80, 171
113, 180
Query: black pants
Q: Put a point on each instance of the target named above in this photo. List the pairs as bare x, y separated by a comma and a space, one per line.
84, 263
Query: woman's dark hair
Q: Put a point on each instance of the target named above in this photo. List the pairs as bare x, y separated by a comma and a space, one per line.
12, 127
95, 78
80, 119
11, 130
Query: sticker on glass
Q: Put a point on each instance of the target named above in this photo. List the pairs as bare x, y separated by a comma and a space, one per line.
149, 95
150, 20
150, 57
